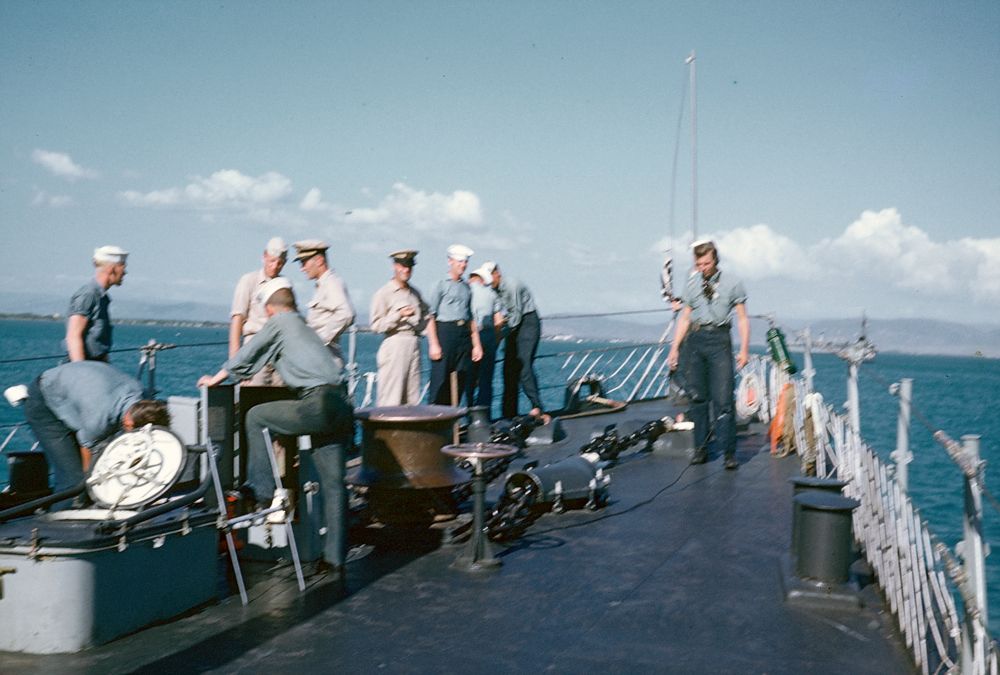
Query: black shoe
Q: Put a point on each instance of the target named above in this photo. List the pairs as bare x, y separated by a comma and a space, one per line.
731, 463
699, 457
329, 570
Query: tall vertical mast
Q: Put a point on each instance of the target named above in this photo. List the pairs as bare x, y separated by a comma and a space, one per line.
694, 148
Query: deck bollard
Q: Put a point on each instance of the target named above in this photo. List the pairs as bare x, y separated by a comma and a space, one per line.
802, 484
823, 550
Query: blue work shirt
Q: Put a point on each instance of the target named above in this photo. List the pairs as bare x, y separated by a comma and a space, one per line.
450, 300
485, 303
516, 300
295, 351
90, 397
91, 302
729, 292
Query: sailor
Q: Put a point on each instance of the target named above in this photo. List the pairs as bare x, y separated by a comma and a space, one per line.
487, 311
524, 329
247, 315
320, 409
330, 310
452, 335
703, 326
74, 407
400, 313
88, 326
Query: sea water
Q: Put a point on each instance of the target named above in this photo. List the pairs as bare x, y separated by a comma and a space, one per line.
956, 394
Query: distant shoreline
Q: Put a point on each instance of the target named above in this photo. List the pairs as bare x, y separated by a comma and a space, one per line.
58, 318
756, 341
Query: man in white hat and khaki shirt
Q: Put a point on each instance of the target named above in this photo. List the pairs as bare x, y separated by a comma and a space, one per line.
400, 313
248, 314
330, 310
88, 326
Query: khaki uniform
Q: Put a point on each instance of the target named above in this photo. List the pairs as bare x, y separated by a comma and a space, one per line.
246, 304
330, 311
399, 355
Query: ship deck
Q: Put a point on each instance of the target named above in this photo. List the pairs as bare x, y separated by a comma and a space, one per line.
681, 572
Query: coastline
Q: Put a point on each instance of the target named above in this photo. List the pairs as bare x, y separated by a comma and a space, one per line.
642, 333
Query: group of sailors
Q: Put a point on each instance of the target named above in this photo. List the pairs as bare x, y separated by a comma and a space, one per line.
464, 319
77, 406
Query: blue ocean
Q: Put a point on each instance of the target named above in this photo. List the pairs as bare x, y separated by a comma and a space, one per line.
956, 394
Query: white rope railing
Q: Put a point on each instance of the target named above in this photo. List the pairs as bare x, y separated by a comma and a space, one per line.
914, 573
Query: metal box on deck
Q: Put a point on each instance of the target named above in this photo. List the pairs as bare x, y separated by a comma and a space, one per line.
73, 587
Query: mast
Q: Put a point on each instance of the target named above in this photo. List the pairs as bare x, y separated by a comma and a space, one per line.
690, 61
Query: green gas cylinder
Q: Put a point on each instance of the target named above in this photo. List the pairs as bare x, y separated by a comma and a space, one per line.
779, 351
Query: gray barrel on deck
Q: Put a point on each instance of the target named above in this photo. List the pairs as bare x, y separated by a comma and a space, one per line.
801, 484
824, 543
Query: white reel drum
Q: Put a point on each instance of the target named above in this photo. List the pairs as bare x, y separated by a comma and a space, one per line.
136, 468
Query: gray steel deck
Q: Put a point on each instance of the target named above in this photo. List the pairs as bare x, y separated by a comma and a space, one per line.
680, 573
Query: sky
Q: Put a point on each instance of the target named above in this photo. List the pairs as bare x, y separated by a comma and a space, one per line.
848, 154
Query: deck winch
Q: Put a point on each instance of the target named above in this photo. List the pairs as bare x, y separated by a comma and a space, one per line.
581, 480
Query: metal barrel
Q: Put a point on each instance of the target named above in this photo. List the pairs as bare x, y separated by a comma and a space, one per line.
801, 484
824, 544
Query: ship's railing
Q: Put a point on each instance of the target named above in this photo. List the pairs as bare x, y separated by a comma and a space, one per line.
917, 572
628, 371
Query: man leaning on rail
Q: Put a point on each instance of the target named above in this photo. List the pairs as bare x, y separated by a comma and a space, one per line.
709, 298
321, 409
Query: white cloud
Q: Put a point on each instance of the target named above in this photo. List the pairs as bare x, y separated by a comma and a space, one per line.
43, 198
758, 252
877, 261
62, 165
982, 260
878, 245
424, 211
313, 203
224, 189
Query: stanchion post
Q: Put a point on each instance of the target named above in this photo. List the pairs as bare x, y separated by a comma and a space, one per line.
974, 629
902, 455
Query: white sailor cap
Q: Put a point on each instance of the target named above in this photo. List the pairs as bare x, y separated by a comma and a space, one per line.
485, 271
459, 252
701, 242
109, 255
276, 247
270, 286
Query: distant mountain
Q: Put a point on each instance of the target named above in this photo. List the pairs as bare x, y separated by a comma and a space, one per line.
912, 336
47, 304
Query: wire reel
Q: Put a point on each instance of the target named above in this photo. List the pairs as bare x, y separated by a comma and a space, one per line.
136, 468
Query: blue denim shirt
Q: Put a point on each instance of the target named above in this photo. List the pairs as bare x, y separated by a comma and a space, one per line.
516, 299
90, 397
729, 292
485, 303
450, 300
91, 301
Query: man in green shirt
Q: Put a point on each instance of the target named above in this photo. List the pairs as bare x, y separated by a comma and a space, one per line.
321, 409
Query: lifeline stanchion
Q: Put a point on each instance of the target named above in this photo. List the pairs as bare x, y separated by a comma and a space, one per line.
292, 546
220, 497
